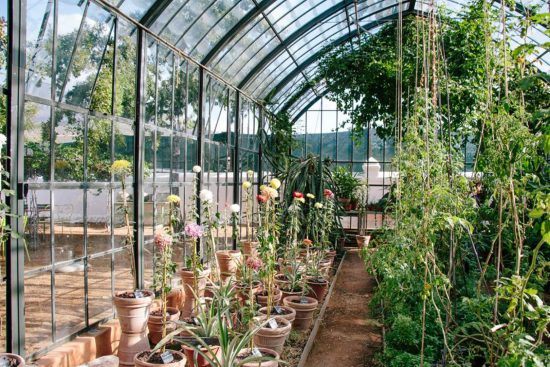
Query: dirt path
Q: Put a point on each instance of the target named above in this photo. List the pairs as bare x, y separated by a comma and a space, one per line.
347, 336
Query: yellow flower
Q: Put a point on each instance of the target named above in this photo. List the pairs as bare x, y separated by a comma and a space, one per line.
318, 205
247, 185
301, 200
121, 167
310, 196
275, 183
174, 199
262, 188
270, 192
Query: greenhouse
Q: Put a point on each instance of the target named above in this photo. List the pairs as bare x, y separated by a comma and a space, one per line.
302, 183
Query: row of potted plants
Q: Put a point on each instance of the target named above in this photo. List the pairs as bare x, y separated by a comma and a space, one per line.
238, 306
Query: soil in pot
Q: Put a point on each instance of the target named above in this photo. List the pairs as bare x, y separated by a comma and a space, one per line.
133, 310
318, 287
148, 358
247, 352
304, 307
261, 297
156, 321
281, 311
11, 360
273, 338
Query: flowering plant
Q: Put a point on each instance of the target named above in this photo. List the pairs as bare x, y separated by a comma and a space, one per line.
210, 223
164, 269
122, 168
176, 220
249, 204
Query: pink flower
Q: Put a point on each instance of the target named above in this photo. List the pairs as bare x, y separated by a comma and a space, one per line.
328, 194
261, 198
194, 230
254, 263
162, 240
297, 195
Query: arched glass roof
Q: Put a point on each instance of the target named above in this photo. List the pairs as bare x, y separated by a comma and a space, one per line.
270, 48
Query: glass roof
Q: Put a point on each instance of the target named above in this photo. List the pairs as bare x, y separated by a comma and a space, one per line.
270, 48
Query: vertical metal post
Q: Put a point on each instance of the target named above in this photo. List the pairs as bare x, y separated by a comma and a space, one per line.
236, 154
138, 158
200, 142
260, 149
15, 307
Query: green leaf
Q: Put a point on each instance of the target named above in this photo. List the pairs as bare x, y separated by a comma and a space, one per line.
536, 213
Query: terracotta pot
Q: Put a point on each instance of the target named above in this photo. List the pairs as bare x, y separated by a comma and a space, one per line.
270, 338
156, 321
281, 281
324, 267
181, 363
130, 345
288, 294
243, 292
250, 248
175, 299
228, 263
304, 311
265, 352
288, 313
330, 255
188, 280
133, 312
196, 359
261, 297
318, 288
20, 362
362, 241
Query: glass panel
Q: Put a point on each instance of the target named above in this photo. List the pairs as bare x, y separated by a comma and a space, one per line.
184, 19
88, 55
98, 210
39, 44
165, 87
38, 312
69, 146
68, 219
69, 298
126, 70
37, 142
100, 297
99, 149
180, 95
70, 15
123, 278
136, 8
300, 15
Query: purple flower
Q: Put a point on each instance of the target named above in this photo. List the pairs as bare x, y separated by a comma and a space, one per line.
194, 230
162, 240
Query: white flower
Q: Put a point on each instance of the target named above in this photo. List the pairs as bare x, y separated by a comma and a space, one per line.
235, 208
197, 169
250, 173
206, 196
318, 205
3, 140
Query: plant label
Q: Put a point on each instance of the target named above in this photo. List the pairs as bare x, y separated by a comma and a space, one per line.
138, 293
273, 324
278, 309
303, 300
256, 352
195, 321
167, 357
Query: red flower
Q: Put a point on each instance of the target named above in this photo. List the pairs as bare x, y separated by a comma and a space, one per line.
328, 194
254, 263
261, 198
297, 195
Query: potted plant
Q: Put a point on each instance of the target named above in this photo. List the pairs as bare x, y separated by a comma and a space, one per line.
249, 245
11, 360
162, 319
272, 332
345, 184
304, 307
316, 282
229, 260
361, 194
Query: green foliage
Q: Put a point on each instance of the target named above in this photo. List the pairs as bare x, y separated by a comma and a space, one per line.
345, 183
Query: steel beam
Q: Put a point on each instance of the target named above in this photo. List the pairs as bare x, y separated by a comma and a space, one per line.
236, 155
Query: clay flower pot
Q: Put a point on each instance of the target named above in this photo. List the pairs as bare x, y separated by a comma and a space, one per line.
228, 263
318, 288
362, 241
195, 359
132, 315
261, 297
175, 299
304, 311
330, 255
140, 359
247, 352
281, 281
243, 291
188, 280
250, 248
286, 313
289, 293
156, 321
324, 267
16, 360
270, 338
